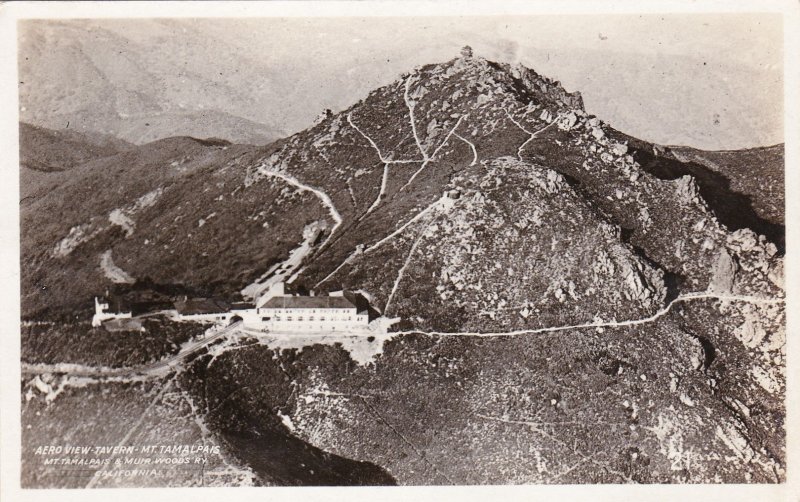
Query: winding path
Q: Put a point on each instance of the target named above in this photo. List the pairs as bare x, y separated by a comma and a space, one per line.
471, 145
295, 260
432, 157
533, 135
410, 107
322, 196
611, 324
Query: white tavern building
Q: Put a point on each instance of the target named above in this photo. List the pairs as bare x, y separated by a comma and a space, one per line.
311, 313
279, 312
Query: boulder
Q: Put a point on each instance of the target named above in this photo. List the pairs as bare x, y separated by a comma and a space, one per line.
686, 189
743, 240
775, 275
568, 121
723, 273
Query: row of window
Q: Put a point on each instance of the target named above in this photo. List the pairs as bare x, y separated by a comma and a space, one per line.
307, 311
310, 318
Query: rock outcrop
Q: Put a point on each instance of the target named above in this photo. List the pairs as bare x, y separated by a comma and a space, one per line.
723, 273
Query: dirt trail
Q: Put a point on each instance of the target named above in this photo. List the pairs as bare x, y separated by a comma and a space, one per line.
472, 146
612, 324
533, 135
432, 157
432, 207
405, 265
410, 107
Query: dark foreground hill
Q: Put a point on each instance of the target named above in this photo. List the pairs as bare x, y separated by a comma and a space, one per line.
466, 197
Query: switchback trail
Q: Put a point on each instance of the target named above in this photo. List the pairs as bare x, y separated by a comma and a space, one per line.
532, 135
322, 196
293, 267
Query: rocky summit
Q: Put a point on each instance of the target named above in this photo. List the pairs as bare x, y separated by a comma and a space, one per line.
569, 304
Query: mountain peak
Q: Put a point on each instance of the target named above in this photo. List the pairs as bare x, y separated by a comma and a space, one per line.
485, 81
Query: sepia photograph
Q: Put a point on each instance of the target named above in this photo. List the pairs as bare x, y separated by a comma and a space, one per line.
400, 250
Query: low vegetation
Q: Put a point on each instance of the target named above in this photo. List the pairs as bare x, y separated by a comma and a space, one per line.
80, 343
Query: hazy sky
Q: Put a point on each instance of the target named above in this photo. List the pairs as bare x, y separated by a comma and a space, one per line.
711, 81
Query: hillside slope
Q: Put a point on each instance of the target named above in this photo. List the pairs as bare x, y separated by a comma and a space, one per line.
48, 150
182, 215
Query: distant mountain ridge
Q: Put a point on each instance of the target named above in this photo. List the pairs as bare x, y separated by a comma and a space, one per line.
78, 76
49, 150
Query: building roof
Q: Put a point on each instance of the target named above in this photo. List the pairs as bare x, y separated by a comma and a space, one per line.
243, 306
308, 302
